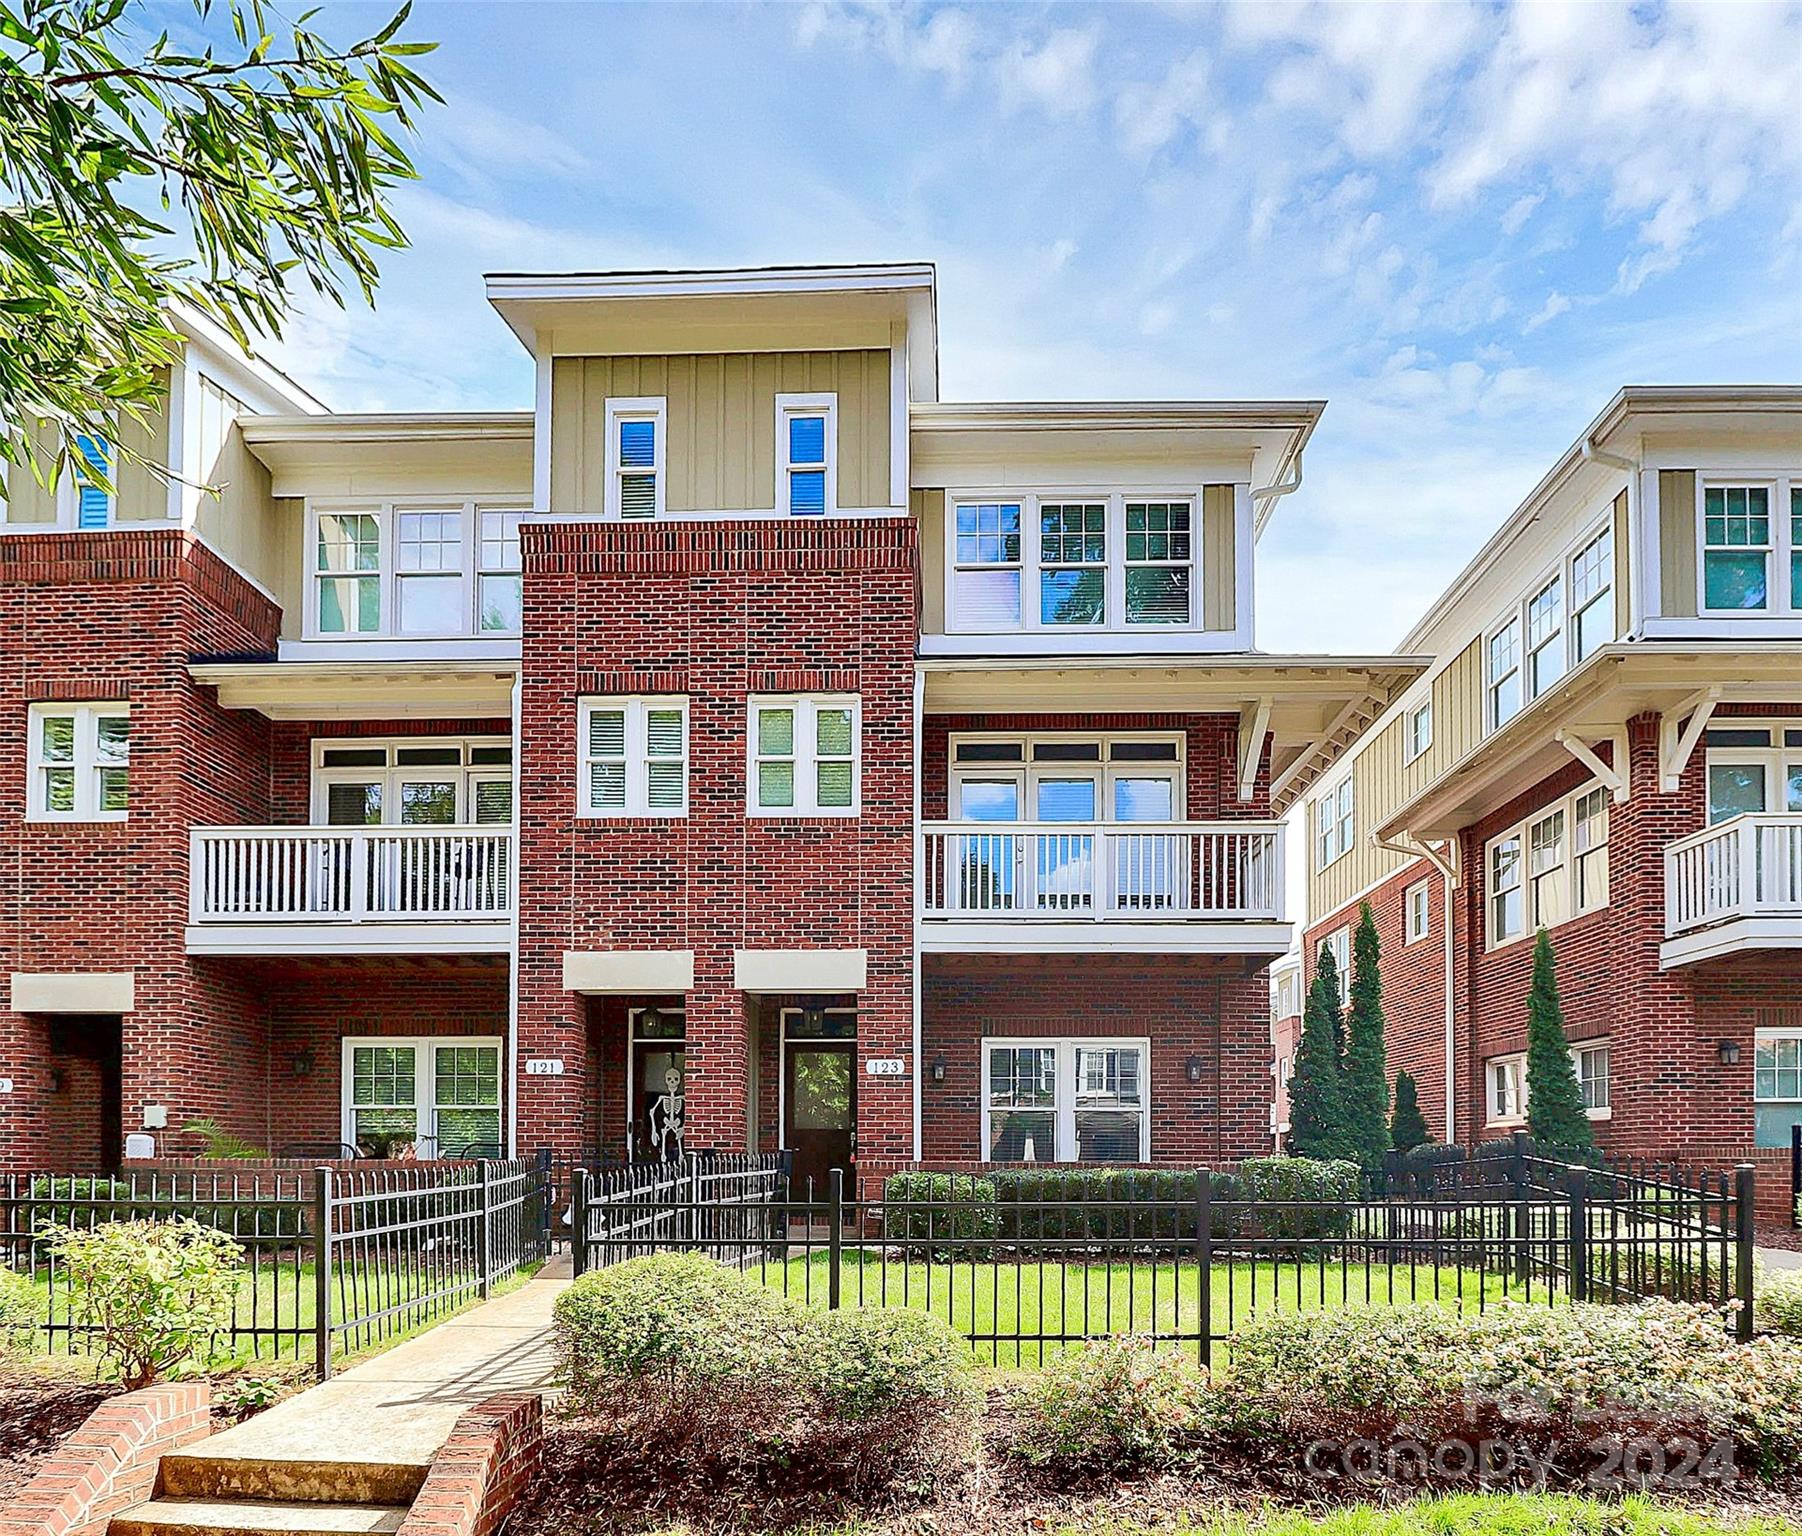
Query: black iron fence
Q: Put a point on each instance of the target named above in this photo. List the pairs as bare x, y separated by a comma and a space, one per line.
336, 1260
1184, 1259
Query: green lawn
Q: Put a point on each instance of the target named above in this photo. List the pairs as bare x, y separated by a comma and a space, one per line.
992, 1304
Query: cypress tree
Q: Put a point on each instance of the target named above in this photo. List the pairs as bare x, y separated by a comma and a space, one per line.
1316, 1089
1366, 1081
1555, 1114
1408, 1128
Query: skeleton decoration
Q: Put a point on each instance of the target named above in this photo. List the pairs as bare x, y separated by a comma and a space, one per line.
665, 1117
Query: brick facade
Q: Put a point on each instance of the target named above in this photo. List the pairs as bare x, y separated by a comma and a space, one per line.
483, 1469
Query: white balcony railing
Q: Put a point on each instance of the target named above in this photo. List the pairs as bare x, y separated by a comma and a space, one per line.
246, 875
1748, 866
1076, 871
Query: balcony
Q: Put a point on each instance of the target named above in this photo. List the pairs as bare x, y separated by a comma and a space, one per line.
1733, 888
1180, 887
350, 890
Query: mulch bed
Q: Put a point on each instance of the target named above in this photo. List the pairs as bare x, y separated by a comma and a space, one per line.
35, 1418
1780, 1237
596, 1481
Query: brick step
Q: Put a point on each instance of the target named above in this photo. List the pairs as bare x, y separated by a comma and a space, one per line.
196, 1475
255, 1517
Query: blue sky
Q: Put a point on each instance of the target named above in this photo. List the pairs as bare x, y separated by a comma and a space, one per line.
1464, 227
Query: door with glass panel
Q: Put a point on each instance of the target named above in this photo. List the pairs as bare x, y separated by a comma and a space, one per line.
1148, 869
985, 866
423, 1098
1063, 862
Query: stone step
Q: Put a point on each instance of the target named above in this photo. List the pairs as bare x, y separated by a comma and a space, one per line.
255, 1517
198, 1475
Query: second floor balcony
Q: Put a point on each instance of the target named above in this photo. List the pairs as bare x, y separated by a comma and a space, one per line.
1733, 888
1195, 887
350, 890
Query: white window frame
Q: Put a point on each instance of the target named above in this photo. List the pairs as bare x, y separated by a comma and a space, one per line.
1417, 911
1027, 771
1418, 731
1496, 1110
425, 1082
807, 707
637, 709
69, 485
1540, 638
484, 570
387, 512
465, 771
1339, 942
1771, 1035
1774, 759
1574, 611
1115, 500
1494, 679
821, 404
652, 408
84, 760
1064, 1095
1564, 869
1016, 567
1335, 823
1595, 1047
1785, 602
1560, 578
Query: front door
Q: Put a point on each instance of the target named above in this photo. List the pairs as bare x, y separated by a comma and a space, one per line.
819, 1091
98, 1045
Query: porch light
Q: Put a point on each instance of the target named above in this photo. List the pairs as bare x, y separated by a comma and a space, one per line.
301, 1062
59, 1080
1192, 1069
814, 1017
650, 1020
937, 1069
1729, 1052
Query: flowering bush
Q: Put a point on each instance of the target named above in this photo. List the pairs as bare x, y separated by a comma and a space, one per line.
1779, 1293
1116, 1403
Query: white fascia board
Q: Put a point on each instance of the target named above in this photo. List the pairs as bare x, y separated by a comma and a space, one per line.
729, 282
1260, 941
278, 938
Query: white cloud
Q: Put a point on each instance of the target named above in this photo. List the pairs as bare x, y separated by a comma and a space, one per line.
1058, 75
1515, 215
1555, 305
1150, 116
1156, 318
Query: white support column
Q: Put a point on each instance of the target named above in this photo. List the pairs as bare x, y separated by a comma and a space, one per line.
1254, 725
541, 438
917, 1067
515, 1070
1643, 521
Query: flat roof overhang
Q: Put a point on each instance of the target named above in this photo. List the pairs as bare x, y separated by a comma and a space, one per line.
1593, 704
313, 455
362, 690
1308, 703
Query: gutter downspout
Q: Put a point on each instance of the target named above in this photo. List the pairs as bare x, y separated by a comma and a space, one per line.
918, 895
1449, 873
1263, 498
515, 1069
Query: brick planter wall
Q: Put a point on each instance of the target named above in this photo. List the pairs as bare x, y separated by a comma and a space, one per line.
482, 1470
110, 1463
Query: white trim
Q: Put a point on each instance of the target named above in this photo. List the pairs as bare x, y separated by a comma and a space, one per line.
851, 1045
823, 404
83, 764
1064, 1107
1522, 831
1414, 746
634, 758
800, 970
806, 709
1778, 550
1516, 1061
542, 366
1185, 937
1333, 829
361, 937
1772, 1034
1339, 942
1027, 771
624, 408
628, 972
425, 1082
1413, 932
633, 1015
1578, 1050
1730, 938
465, 773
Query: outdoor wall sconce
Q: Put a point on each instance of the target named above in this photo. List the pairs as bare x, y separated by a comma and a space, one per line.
59, 1080
301, 1062
814, 1017
650, 1020
1192, 1069
1729, 1052
937, 1069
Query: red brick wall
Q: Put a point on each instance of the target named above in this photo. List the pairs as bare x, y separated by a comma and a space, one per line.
109, 1464
117, 616
1185, 1005
718, 611
476, 1479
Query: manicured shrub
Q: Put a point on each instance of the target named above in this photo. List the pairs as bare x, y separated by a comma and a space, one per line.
1407, 1125
1302, 1197
1116, 1404
956, 1209
865, 1364
1779, 1304
18, 1315
62, 1203
156, 1293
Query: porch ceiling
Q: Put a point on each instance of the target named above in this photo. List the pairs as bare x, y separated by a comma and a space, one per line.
362, 690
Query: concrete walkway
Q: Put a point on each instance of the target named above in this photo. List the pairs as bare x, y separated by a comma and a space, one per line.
398, 1408
1780, 1258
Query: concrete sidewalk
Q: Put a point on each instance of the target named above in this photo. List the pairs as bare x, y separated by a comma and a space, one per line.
398, 1408
1780, 1258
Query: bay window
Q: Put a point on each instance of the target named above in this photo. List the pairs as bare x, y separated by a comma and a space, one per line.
1091, 561
1504, 674
1545, 637
80, 762
634, 756
1564, 619
804, 754
1068, 1100
414, 569
1592, 597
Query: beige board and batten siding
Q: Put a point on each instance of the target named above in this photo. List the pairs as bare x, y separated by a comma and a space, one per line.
236, 515
142, 495
1382, 781
1623, 591
290, 571
1219, 592
1676, 543
720, 453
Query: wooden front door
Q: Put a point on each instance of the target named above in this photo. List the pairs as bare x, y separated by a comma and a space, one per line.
819, 1088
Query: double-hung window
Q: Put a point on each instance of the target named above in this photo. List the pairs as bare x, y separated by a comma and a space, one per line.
1549, 868
1158, 560
806, 455
1737, 549
1507, 901
1066, 1100
416, 569
1072, 563
428, 579
986, 564
804, 755
1565, 618
1504, 674
1419, 729
80, 762
1592, 1078
499, 574
1589, 819
1338, 944
347, 573
1335, 822
1545, 637
634, 756
1506, 1077
635, 457
1417, 911
1592, 597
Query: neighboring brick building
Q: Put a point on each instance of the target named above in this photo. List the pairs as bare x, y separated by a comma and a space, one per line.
739, 749
1608, 744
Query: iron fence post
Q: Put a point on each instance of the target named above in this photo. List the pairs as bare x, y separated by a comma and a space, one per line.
835, 1234
1204, 1233
1745, 1236
544, 1212
1523, 1216
1579, 1232
1795, 1175
485, 1235
322, 1272
578, 1221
